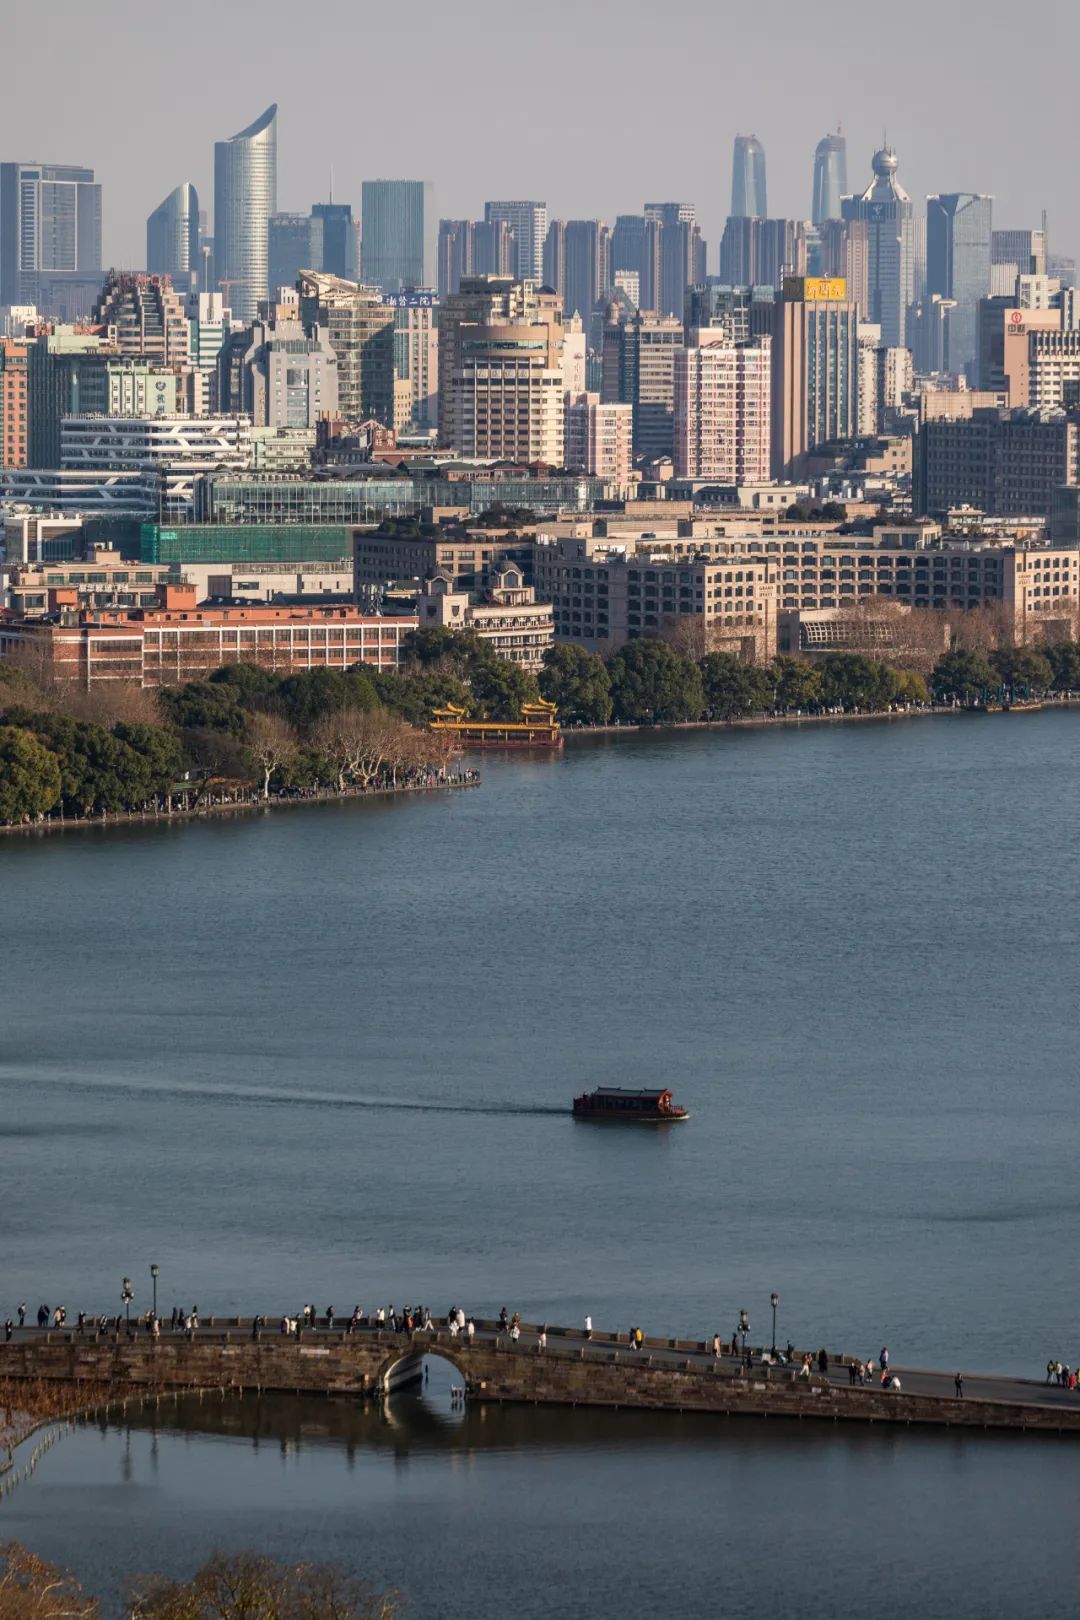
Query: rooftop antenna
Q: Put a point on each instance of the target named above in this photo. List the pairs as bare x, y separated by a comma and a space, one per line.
331, 182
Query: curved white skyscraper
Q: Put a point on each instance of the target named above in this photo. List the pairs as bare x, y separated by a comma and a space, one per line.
245, 195
172, 236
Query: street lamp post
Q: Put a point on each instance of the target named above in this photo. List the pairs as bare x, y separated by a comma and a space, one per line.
154, 1277
127, 1296
744, 1328
774, 1300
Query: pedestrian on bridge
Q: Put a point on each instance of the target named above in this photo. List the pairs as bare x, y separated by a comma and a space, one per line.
588, 1327
958, 1381
716, 1346
9, 1328
22, 1314
884, 1359
541, 1339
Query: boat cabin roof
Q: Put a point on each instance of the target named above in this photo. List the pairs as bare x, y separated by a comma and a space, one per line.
651, 1096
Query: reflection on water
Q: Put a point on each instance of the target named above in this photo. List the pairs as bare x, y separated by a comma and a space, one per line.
615, 1512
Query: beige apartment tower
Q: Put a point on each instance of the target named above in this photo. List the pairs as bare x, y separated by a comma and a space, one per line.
722, 394
501, 378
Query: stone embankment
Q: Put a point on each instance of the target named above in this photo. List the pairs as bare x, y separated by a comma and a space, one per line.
664, 1375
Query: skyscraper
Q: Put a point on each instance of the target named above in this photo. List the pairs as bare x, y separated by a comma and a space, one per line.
172, 237
1012, 254
529, 223
830, 177
815, 370
673, 257
50, 225
759, 252
890, 248
338, 237
296, 243
587, 266
502, 384
395, 218
748, 196
360, 330
722, 393
245, 196
958, 267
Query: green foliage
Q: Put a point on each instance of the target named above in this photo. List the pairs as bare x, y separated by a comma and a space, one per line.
248, 681
454, 650
578, 683
963, 674
162, 754
308, 697
204, 706
415, 695
851, 681
1023, 669
1064, 660
797, 685
500, 688
29, 775
652, 684
733, 689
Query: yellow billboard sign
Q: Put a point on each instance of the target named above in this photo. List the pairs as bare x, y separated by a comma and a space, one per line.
815, 289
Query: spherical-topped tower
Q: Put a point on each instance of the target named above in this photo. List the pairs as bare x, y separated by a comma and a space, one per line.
885, 163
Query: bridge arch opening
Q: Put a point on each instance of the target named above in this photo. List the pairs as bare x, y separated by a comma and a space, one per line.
425, 1376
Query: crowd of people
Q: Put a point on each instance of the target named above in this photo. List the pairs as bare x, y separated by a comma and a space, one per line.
1058, 1372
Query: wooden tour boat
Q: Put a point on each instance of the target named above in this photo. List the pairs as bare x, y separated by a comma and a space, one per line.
620, 1103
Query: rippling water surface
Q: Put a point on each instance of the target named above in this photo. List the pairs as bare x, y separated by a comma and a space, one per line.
327, 1054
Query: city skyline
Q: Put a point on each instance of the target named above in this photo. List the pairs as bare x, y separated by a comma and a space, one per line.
1025, 167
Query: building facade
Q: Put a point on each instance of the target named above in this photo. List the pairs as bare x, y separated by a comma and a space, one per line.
14, 407
639, 370
815, 370
145, 318
722, 408
1003, 463
958, 235
360, 330
830, 178
50, 225
600, 438
887, 212
528, 223
509, 619
396, 217
172, 238
749, 195
245, 198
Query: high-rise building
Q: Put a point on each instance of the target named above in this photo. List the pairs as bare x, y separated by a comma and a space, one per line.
815, 370
639, 370
958, 226
296, 243
502, 384
869, 342
736, 309
50, 225
748, 193
673, 256
245, 196
599, 438
416, 354
360, 330
455, 254
1013, 254
338, 237
14, 403
146, 317
830, 178
172, 238
587, 266
555, 258
760, 252
395, 218
843, 245
529, 222
890, 248
722, 392
628, 244
279, 375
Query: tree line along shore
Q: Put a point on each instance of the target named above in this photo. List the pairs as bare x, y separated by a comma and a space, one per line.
249, 732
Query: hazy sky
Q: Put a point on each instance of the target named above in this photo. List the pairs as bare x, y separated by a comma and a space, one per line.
593, 109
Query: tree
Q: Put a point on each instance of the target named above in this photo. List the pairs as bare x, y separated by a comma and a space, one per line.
30, 779
851, 681
734, 689
109, 704
308, 697
911, 687
1023, 668
216, 756
798, 684
204, 706
1064, 660
161, 752
249, 1586
353, 739
416, 695
578, 683
652, 684
454, 651
271, 742
31, 1589
499, 688
963, 675
249, 682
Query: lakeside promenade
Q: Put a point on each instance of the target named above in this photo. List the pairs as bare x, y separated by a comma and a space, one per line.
542, 1365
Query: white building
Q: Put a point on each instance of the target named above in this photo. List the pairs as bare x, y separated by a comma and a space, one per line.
723, 399
172, 449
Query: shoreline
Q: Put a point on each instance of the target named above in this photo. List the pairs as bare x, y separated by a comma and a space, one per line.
933, 712
130, 818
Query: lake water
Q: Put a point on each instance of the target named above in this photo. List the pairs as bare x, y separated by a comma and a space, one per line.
327, 1055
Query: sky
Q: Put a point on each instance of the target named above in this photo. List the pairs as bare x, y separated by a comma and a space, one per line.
593, 109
